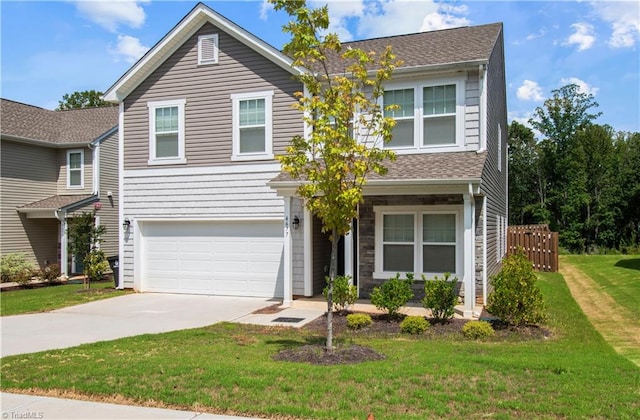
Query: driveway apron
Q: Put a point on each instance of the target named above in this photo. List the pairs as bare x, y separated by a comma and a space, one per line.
118, 317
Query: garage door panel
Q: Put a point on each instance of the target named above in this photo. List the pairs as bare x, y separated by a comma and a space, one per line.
226, 258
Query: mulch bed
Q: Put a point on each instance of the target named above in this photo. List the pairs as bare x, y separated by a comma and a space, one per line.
383, 326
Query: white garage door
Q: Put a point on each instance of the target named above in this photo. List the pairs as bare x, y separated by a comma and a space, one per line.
218, 258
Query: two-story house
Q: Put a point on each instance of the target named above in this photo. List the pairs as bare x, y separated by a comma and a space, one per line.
205, 111
55, 164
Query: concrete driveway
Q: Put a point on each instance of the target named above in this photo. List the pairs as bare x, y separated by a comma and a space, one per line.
118, 317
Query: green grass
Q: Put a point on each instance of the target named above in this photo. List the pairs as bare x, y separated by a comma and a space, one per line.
618, 275
229, 368
44, 299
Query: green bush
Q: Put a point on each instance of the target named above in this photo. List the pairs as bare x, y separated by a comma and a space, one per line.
477, 329
515, 298
414, 325
95, 265
344, 293
16, 267
440, 296
358, 321
393, 294
50, 273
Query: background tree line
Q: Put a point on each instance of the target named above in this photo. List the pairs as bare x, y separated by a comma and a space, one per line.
581, 178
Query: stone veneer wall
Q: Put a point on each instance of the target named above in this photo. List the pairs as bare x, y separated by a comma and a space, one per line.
366, 234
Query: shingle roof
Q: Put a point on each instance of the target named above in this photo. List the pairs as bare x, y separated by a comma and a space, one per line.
56, 202
424, 167
447, 46
58, 127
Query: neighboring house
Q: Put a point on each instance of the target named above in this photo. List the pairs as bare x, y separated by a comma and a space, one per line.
55, 164
205, 111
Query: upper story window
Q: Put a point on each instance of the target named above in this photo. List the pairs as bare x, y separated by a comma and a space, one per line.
166, 132
403, 132
75, 168
429, 115
252, 125
208, 49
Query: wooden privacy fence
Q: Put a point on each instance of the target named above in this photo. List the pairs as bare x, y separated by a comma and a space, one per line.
539, 243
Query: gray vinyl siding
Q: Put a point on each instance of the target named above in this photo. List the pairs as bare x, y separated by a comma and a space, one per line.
297, 251
207, 90
109, 182
494, 182
27, 174
87, 173
472, 111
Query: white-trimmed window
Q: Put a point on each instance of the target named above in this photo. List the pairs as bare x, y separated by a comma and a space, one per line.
252, 125
75, 168
422, 240
403, 132
166, 132
208, 49
429, 115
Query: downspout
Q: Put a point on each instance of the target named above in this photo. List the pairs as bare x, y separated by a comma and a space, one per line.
61, 215
482, 74
96, 168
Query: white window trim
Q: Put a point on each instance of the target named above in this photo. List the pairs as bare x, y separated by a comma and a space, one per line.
69, 152
499, 148
268, 125
418, 211
214, 60
418, 116
152, 106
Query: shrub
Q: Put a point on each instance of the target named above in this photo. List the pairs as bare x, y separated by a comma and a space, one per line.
50, 273
440, 296
358, 321
515, 298
393, 294
96, 265
414, 325
344, 293
16, 267
477, 329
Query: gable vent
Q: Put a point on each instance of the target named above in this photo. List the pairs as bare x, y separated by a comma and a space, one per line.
208, 49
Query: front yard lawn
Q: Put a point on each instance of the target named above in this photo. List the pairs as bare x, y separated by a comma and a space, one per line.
48, 298
228, 368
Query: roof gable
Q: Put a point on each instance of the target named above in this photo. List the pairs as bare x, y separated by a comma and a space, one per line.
198, 16
69, 127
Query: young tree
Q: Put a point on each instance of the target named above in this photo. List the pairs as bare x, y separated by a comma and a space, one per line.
84, 99
347, 126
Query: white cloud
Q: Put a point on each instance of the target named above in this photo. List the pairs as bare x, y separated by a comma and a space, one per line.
542, 32
390, 17
583, 36
265, 8
624, 18
529, 91
113, 13
583, 86
130, 48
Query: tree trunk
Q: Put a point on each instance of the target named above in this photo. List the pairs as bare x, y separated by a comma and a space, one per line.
333, 269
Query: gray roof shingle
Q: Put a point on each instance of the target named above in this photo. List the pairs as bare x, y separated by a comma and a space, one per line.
56, 127
424, 167
447, 46
56, 202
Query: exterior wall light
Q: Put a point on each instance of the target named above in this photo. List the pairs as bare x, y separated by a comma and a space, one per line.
126, 224
296, 222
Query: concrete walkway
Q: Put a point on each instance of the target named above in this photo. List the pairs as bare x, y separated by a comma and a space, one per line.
18, 406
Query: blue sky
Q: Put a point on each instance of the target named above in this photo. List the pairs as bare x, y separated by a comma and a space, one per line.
55, 47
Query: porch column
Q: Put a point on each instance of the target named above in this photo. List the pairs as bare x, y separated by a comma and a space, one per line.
64, 241
307, 226
348, 253
288, 294
469, 255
